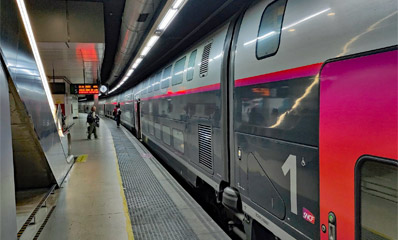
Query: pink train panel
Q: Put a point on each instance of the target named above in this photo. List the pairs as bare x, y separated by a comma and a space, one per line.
358, 116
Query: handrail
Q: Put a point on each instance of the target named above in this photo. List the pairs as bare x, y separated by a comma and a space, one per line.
32, 215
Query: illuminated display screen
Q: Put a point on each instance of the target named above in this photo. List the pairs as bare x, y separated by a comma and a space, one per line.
84, 89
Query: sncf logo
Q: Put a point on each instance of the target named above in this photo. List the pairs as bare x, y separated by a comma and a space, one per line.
308, 216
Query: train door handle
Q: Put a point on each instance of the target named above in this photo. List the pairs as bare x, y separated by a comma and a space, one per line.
332, 226
239, 153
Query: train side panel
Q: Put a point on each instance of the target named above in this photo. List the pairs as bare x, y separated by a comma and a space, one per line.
277, 58
183, 119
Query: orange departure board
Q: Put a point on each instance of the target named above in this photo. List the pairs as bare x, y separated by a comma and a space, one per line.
84, 89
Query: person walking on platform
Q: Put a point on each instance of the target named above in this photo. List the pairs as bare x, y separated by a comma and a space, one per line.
93, 121
118, 115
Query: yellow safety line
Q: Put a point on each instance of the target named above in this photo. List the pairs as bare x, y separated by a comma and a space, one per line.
82, 158
129, 227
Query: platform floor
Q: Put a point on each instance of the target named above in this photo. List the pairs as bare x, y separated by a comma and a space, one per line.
141, 200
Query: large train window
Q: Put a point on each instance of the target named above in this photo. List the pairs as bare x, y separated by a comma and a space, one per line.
151, 128
157, 78
165, 82
157, 131
191, 65
269, 32
377, 199
178, 140
286, 110
150, 84
166, 135
178, 72
146, 84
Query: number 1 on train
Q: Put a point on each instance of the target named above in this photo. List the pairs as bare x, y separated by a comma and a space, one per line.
291, 165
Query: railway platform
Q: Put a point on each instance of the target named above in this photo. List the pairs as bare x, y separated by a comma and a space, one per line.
118, 190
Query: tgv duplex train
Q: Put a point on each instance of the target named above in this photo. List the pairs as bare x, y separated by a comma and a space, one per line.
289, 112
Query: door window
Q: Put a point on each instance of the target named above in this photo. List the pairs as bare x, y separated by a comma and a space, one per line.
377, 200
269, 33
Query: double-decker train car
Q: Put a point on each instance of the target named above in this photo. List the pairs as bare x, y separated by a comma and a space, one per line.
289, 111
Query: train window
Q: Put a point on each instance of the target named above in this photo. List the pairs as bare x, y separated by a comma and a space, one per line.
150, 83
178, 72
157, 131
269, 32
178, 140
166, 134
147, 126
191, 65
151, 130
158, 76
143, 122
378, 200
145, 86
165, 82
286, 110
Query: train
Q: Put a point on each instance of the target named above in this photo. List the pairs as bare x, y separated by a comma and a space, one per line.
288, 112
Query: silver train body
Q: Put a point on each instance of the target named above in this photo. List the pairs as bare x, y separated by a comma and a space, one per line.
232, 110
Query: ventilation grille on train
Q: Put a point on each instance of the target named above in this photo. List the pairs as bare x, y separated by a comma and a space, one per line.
205, 154
204, 65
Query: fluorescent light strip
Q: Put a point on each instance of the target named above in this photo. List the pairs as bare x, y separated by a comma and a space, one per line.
129, 73
36, 54
152, 41
167, 19
145, 51
177, 4
137, 62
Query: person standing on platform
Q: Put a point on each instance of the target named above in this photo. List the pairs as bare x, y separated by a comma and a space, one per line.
115, 112
92, 120
118, 115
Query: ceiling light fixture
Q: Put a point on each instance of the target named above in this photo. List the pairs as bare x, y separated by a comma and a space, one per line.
164, 23
129, 73
167, 19
152, 40
137, 62
145, 51
36, 54
177, 4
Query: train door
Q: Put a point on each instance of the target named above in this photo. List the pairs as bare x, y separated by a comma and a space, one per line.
275, 128
138, 119
359, 146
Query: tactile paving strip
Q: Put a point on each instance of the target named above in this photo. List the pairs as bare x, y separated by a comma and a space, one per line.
153, 213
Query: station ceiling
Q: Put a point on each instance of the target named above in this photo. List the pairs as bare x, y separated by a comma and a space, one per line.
194, 21
78, 39
71, 38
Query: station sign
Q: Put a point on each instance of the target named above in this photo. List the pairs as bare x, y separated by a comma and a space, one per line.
86, 89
